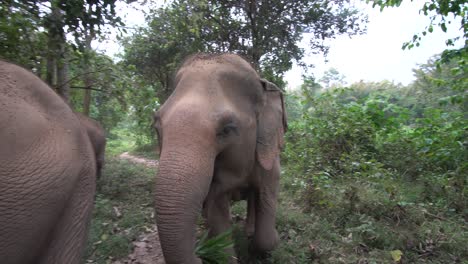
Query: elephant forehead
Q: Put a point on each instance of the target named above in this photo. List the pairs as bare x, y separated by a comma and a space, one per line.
199, 103
216, 70
187, 110
219, 86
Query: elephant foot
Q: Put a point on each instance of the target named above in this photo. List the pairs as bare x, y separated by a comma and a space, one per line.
265, 241
256, 256
196, 261
192, 260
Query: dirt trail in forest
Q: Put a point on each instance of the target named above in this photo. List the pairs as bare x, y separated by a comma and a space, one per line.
147, 249
147, 162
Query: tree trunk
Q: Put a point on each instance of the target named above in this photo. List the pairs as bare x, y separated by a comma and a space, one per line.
51, 66
87, 78
63, 86
86, 98
88, 82
57, 62
251, 10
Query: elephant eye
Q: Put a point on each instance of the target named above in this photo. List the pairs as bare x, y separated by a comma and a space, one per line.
227, 130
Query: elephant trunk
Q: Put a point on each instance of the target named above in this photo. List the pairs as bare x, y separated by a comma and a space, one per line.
182, 184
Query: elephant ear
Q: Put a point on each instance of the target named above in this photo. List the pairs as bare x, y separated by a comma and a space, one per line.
271, 125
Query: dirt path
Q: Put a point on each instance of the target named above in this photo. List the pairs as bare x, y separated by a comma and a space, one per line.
147, 249
148, 162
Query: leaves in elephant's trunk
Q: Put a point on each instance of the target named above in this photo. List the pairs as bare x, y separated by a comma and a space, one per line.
213, 250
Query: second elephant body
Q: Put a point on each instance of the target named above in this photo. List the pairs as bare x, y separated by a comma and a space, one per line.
220, 135
97, 137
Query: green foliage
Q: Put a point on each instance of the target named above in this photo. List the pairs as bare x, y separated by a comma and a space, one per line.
155, 51
293, 109
20, 39
352, 139
268, 33
380, 173
24, 25
110, 84
442, 84
364, 221
213, 250
384, 129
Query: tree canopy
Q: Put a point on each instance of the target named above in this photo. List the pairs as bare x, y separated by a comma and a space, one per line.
267, 33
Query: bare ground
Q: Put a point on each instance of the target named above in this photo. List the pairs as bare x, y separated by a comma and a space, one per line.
147, 249
147, 162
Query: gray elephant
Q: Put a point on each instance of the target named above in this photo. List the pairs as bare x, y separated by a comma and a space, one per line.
220, 135
47, 173
97, 136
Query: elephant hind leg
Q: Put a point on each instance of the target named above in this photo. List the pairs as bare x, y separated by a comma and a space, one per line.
69, 235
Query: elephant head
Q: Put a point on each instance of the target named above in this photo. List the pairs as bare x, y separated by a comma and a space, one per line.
219, 132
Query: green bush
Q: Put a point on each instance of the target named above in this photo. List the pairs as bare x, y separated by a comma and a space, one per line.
372, 180
372, 136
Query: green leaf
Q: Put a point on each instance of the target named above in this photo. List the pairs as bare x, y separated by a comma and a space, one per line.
443, 27
213, 250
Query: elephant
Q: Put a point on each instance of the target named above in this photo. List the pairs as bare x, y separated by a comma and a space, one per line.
220, 134
97, 136
47, 173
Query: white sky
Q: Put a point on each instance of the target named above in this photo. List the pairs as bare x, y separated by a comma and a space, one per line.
375, 56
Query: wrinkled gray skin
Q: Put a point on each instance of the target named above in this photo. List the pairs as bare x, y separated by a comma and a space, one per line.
221, 132
97, 136
47, 173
